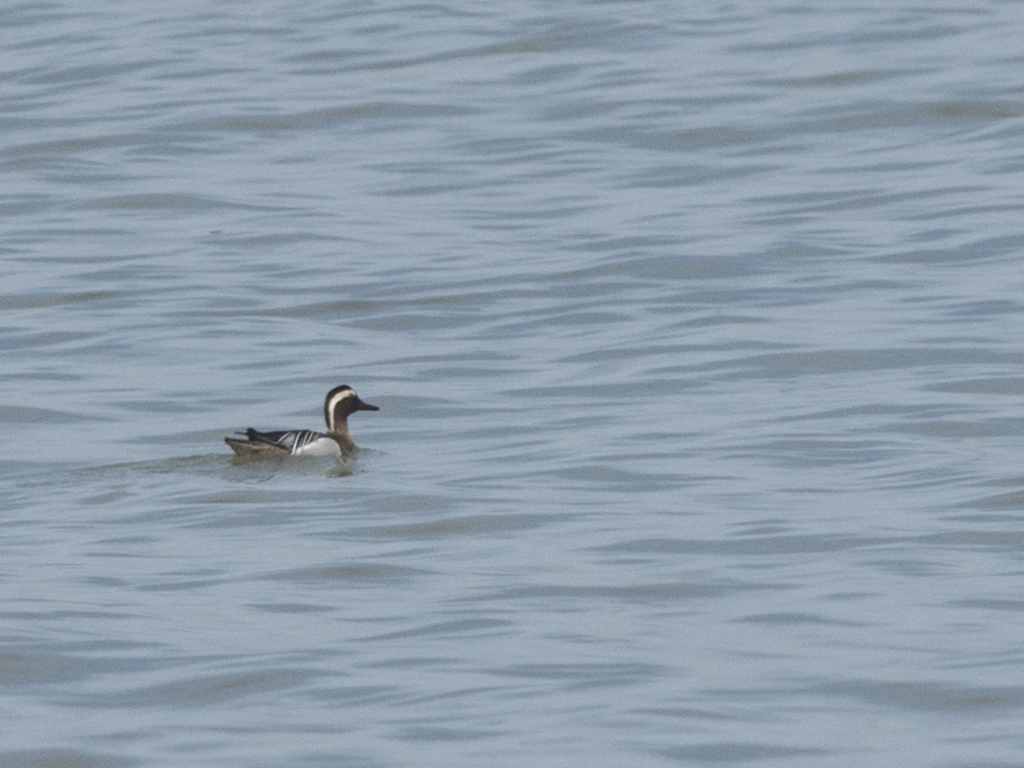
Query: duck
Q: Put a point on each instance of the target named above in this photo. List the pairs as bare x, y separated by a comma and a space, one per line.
340, 403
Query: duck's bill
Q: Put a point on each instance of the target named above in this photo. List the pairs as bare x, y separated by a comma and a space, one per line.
366, 407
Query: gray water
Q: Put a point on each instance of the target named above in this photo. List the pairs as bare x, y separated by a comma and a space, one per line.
697, 335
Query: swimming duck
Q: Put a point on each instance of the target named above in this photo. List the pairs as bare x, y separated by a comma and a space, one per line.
340, 403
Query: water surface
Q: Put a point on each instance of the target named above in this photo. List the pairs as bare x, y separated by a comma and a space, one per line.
696, 336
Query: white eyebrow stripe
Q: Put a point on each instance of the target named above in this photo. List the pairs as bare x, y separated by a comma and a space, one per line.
332, 406
339, 397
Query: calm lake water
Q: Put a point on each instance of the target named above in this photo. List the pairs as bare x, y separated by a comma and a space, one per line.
697, 335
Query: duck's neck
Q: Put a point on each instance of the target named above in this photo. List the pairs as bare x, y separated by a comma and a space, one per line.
340, 434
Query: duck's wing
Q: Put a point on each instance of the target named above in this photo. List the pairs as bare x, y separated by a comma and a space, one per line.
280, 443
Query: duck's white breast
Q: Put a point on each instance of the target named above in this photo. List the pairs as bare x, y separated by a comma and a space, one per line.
322, 446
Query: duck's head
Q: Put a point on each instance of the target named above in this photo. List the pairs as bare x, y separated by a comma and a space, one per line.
340, 403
